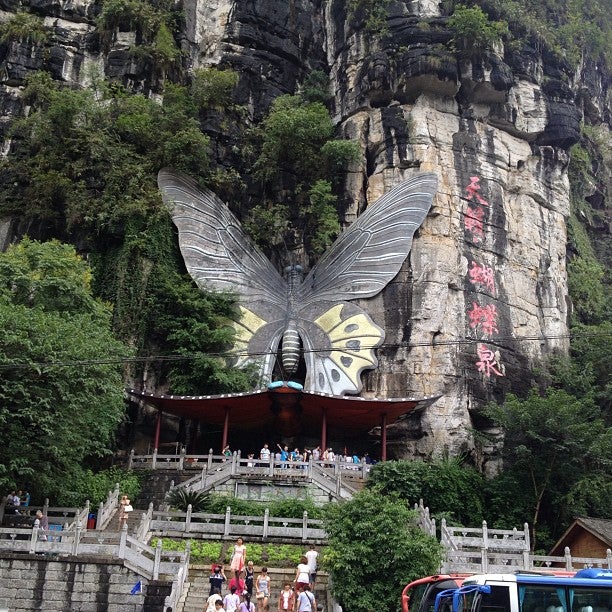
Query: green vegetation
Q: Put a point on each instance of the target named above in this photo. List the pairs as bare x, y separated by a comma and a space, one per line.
212, 88
374, 14
448, 487
374, 541
24, 26
181, 499
473, 32
289, 508
557, 457
54, 417
206, 553
94, 486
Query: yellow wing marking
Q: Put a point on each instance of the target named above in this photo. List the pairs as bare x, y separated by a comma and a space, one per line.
353, 341
246, 328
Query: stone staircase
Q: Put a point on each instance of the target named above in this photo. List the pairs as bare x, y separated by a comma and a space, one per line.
196, 589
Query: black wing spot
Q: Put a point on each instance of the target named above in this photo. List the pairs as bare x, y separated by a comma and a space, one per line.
354, 345
321, 381
351, 328
335, 375
346, 361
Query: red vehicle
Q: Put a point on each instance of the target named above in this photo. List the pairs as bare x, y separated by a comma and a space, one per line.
420, 595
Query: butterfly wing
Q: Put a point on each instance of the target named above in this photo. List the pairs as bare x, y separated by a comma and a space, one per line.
219, 255
358, 265
367, 255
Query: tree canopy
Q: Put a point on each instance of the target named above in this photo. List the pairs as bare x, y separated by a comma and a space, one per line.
61, 389
375, 549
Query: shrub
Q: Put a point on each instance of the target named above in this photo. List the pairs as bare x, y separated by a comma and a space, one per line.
24, 27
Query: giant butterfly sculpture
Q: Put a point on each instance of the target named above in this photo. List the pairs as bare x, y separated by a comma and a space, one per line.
312, 316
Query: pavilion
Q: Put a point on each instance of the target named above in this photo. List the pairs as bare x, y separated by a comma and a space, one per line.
285, 408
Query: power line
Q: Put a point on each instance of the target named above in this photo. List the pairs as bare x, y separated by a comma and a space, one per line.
498, 341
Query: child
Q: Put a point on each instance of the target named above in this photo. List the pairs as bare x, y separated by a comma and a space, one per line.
286, 600
219, 606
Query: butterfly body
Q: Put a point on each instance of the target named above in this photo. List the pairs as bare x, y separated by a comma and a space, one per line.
312, 317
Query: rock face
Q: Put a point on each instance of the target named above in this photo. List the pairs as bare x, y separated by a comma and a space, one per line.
482, 297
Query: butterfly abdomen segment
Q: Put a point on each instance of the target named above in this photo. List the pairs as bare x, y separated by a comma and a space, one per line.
291, 349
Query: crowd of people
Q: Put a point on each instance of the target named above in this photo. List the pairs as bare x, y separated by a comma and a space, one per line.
244, 586
17, 502
283, 453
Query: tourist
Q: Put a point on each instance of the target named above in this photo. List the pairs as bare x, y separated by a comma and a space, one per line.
284, 452
41, 522
311, 557
286, 599
211, 601
246, 605
302, 577
25, 499
316, 453
227, 453
264, 453
262, 584
249, 578
238, 558
239, 583
306, 601
216, 580
125, 507
219, 605
231, 601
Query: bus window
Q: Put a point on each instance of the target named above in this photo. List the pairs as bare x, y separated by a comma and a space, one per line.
585, 599
416, 595
498, 600
541, 598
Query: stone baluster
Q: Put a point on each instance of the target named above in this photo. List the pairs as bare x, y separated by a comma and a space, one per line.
228, 518
265, 523
130, 460
157, 561
188, 518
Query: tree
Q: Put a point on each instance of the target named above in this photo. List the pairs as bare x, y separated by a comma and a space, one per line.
558, 451
473, 32
61, 392
446, 486
375, 549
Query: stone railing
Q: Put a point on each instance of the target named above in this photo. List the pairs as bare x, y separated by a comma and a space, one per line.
484, 550
229, 526
243, 466
145, 560
338, 478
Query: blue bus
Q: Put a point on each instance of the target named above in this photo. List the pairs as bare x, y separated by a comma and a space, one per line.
587, 591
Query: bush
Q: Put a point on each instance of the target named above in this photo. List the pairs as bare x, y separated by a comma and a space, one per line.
24, 27
180, 499
473, 32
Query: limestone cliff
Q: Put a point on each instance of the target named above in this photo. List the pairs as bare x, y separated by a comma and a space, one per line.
483, 297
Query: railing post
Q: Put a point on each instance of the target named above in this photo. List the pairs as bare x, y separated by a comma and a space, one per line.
154, 459
157, 562
228, 518
336, 466
188, 518
99, 519
305, 526
526, 560
77, 538
271, 472
485, 536
45, 508
234, 461
609, 558
568, 559
527, 537
182, 459
33, 540
86, 512
210, 459
484, 561
202, 478
130, 460
265, 523
123, 542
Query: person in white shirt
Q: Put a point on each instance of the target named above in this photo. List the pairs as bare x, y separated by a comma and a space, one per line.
311, 556
231, 601
264, 453
306, 601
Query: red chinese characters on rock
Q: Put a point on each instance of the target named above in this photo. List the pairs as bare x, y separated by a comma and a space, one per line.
481, 318
489, 361
482, 276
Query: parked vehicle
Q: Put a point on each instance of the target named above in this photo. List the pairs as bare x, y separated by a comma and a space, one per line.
588, 590
420, 595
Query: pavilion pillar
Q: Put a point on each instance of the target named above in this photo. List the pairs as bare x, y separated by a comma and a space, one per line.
225, 428
383, 437
157, 429
323, 431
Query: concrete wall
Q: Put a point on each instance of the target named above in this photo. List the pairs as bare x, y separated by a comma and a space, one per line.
30, 582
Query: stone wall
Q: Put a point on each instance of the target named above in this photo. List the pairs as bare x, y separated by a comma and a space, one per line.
29, 582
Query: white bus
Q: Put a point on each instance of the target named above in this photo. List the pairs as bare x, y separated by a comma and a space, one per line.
587, 591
